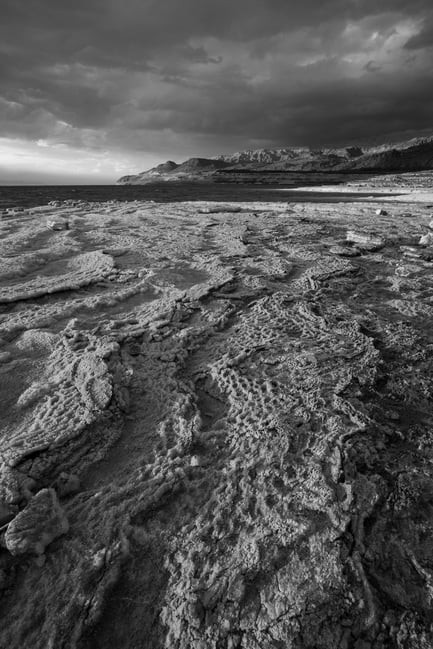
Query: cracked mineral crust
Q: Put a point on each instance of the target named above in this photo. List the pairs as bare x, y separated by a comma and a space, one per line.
216, 426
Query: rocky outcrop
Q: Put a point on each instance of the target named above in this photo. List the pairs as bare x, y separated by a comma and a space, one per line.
166, 167
37, 525
192, 169
413, 155
291, 158
201, 164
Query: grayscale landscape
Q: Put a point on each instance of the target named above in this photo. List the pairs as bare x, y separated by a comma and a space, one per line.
216, 340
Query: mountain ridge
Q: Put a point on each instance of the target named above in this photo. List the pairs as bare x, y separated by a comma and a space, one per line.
410, 155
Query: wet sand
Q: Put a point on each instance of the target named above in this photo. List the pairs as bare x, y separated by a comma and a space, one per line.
216, 427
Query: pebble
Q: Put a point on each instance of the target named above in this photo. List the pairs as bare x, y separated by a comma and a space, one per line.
57, 224
345, 251
364, 240
426, 239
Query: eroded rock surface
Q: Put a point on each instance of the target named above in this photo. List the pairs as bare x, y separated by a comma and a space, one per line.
37, 525
64, 275
231, 421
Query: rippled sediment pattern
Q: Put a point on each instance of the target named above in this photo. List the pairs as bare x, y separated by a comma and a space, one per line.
216, 428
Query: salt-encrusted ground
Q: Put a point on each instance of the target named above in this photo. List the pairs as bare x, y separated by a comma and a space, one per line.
216, 430
412, 186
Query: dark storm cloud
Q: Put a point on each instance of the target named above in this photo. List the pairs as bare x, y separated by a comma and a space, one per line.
424, 39
125, 29
330, 113
114, 74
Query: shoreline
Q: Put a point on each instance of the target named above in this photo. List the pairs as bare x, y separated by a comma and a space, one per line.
406, 187
395, 196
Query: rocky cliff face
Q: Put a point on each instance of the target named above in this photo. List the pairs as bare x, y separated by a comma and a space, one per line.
415, 155
192, 169
412, 155
288, 158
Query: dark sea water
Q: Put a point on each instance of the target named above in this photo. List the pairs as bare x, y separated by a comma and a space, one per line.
30, 196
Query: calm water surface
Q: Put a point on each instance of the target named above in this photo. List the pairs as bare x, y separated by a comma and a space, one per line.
30, 196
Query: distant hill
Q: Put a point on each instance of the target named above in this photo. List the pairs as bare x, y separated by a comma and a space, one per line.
288, 159
201, 165
413, 155
166, 167
192, 169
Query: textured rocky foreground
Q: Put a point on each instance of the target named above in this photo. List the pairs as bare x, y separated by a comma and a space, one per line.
216, 427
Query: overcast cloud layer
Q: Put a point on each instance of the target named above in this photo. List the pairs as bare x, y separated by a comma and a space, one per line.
94, 89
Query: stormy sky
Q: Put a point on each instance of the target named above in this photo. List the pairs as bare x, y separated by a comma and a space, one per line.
94, 89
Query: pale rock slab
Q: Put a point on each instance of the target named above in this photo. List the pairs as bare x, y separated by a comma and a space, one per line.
365, 240
57, 224
426, 239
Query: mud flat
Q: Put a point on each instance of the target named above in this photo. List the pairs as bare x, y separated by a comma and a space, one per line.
216, 426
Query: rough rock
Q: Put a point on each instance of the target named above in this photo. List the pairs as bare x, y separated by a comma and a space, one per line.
37, 525
57, 224
81, 270
365, 240
426, 239
217, 209
67, 484
345, 251
6, 515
